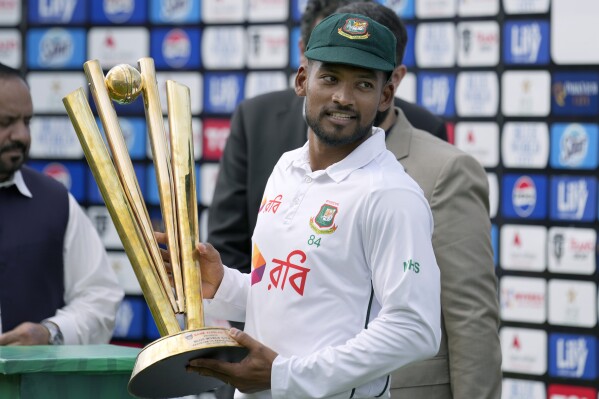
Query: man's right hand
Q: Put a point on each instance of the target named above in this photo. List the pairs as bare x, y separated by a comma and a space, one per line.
26, 334
212, 268
252, 374
210, 265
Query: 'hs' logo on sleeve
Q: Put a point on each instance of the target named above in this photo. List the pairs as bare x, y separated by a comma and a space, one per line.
411, 265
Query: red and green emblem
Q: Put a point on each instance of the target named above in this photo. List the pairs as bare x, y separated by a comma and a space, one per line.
354, 28
323, 222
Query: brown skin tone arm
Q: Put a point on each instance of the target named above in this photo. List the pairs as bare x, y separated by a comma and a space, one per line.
26, 334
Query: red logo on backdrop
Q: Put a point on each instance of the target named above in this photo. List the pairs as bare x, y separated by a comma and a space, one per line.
517, 242
571, 392
59, 172
516, 343
9, 6
215, 135
109, 42
470, 137
8, 45
280, 274
450, 129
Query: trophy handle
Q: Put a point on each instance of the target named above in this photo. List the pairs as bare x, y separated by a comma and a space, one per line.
162, 167
183, 167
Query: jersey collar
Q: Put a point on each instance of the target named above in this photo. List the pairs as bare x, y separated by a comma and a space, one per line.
358, 158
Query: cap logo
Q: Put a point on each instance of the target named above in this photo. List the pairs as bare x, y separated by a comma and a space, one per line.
354, 28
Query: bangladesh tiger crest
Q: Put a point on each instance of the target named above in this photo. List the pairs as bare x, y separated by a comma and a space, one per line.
324, 221
354, 28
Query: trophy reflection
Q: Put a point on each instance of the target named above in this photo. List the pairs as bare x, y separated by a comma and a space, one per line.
159, 370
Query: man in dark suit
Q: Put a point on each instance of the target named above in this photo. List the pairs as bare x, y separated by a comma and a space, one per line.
263, 128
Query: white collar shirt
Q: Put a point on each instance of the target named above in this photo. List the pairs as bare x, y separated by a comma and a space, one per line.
336, 250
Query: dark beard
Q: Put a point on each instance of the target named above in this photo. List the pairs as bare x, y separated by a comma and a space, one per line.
337, 141
16, 145
15, 162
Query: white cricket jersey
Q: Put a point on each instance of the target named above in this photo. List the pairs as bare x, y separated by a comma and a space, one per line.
334, 251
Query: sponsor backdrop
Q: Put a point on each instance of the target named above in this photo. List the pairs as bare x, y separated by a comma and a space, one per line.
516, 81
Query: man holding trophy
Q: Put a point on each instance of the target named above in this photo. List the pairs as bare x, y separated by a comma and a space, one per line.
344, 287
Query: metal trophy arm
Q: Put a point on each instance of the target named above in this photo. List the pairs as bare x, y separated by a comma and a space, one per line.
164, 174
184, 189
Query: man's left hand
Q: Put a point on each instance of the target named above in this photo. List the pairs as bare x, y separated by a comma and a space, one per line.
250, 375
26, 334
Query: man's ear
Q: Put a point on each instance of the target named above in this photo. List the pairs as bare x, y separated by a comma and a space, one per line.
387, 96
398, 75
300, 80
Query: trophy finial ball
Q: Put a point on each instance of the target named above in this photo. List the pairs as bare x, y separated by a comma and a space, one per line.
124, 83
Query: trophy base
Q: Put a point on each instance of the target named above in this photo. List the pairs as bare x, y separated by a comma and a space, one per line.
160, 372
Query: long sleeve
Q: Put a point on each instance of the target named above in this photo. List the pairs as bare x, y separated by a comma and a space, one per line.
230, 300
92, 292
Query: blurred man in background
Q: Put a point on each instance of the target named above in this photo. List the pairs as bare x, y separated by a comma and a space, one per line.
56, 285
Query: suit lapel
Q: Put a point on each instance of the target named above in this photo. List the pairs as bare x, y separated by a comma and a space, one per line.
400, 137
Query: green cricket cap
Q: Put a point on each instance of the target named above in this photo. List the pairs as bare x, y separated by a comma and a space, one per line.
352, 39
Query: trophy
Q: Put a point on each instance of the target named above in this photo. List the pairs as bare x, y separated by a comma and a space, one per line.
160, 368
